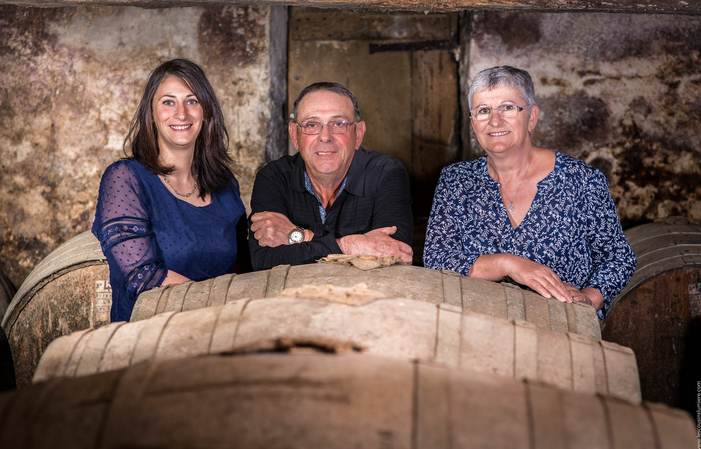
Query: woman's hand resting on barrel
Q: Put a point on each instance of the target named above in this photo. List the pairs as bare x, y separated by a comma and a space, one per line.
173, 278
587, 295
540, 278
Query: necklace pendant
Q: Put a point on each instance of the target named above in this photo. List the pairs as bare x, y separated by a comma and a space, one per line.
510, 207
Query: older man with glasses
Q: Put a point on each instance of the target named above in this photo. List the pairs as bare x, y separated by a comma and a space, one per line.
333, 196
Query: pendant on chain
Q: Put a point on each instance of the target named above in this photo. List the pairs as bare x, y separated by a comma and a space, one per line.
511, 207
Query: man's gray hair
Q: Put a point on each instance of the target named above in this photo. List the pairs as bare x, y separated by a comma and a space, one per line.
504, 76
330, 87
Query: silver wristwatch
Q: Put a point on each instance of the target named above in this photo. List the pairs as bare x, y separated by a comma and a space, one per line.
296, 235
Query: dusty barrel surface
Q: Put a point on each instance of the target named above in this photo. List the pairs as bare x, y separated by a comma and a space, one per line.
67, 291
315, 400
401, 281
7, 291
400, 328
658, 314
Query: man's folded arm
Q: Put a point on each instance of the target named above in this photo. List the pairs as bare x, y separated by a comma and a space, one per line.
267, 197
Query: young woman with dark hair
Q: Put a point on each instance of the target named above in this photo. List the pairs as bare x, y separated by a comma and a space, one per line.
168, 213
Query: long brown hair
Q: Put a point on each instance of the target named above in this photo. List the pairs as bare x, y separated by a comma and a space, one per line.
211, 164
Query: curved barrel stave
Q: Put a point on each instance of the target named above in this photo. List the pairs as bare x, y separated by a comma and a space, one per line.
398, 328
67, 291
658, 314
321, 400
400, 281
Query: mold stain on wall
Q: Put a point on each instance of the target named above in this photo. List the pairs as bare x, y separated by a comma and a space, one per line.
70, 81
620, 91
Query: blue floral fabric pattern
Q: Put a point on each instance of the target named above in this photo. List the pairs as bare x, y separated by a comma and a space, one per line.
572, 226
145, 231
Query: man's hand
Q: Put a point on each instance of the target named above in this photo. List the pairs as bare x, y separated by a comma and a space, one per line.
271, 228
376, 243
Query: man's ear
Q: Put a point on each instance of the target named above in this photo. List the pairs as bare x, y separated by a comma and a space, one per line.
359, 133
292, 128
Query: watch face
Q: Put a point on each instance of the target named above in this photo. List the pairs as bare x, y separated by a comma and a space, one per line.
296, 236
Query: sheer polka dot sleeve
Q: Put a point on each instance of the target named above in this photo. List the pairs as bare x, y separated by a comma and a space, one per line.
123, 227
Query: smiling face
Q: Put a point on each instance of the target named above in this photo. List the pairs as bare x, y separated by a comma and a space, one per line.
177, 114
499, 135
327, 156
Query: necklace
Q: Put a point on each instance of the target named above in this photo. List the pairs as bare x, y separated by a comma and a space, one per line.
186, 195
511, 206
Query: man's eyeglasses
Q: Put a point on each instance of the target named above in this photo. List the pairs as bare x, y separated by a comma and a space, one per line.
335, 127
505, 111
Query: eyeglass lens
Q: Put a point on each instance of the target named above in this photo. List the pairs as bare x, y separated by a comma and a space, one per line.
336, 127
505, 111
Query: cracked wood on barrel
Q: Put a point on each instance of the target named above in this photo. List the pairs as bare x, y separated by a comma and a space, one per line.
400, 281
315, 400
399, 328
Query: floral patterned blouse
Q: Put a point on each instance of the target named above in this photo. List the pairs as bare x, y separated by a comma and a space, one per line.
572, 226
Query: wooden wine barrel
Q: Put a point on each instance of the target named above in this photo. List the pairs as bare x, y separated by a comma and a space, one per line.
658, 314
320, 400
7, 291
401, 328
67, 291
400, 281
7, 367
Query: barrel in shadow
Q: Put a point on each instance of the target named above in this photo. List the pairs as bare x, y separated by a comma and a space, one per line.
67, 291
658, 314
7, 291
399, 328
320, 400
400, 281
7, 367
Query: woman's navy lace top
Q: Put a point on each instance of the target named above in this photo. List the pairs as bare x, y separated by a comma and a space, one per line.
145, 231
572, 226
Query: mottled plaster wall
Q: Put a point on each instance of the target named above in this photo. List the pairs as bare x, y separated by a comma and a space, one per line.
70, 81
620, 91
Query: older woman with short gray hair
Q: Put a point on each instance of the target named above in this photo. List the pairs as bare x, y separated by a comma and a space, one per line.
537, 216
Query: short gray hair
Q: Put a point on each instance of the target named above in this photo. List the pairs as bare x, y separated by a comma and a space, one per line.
329, 87
503, 76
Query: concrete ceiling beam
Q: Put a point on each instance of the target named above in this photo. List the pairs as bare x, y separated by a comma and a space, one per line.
688, 7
